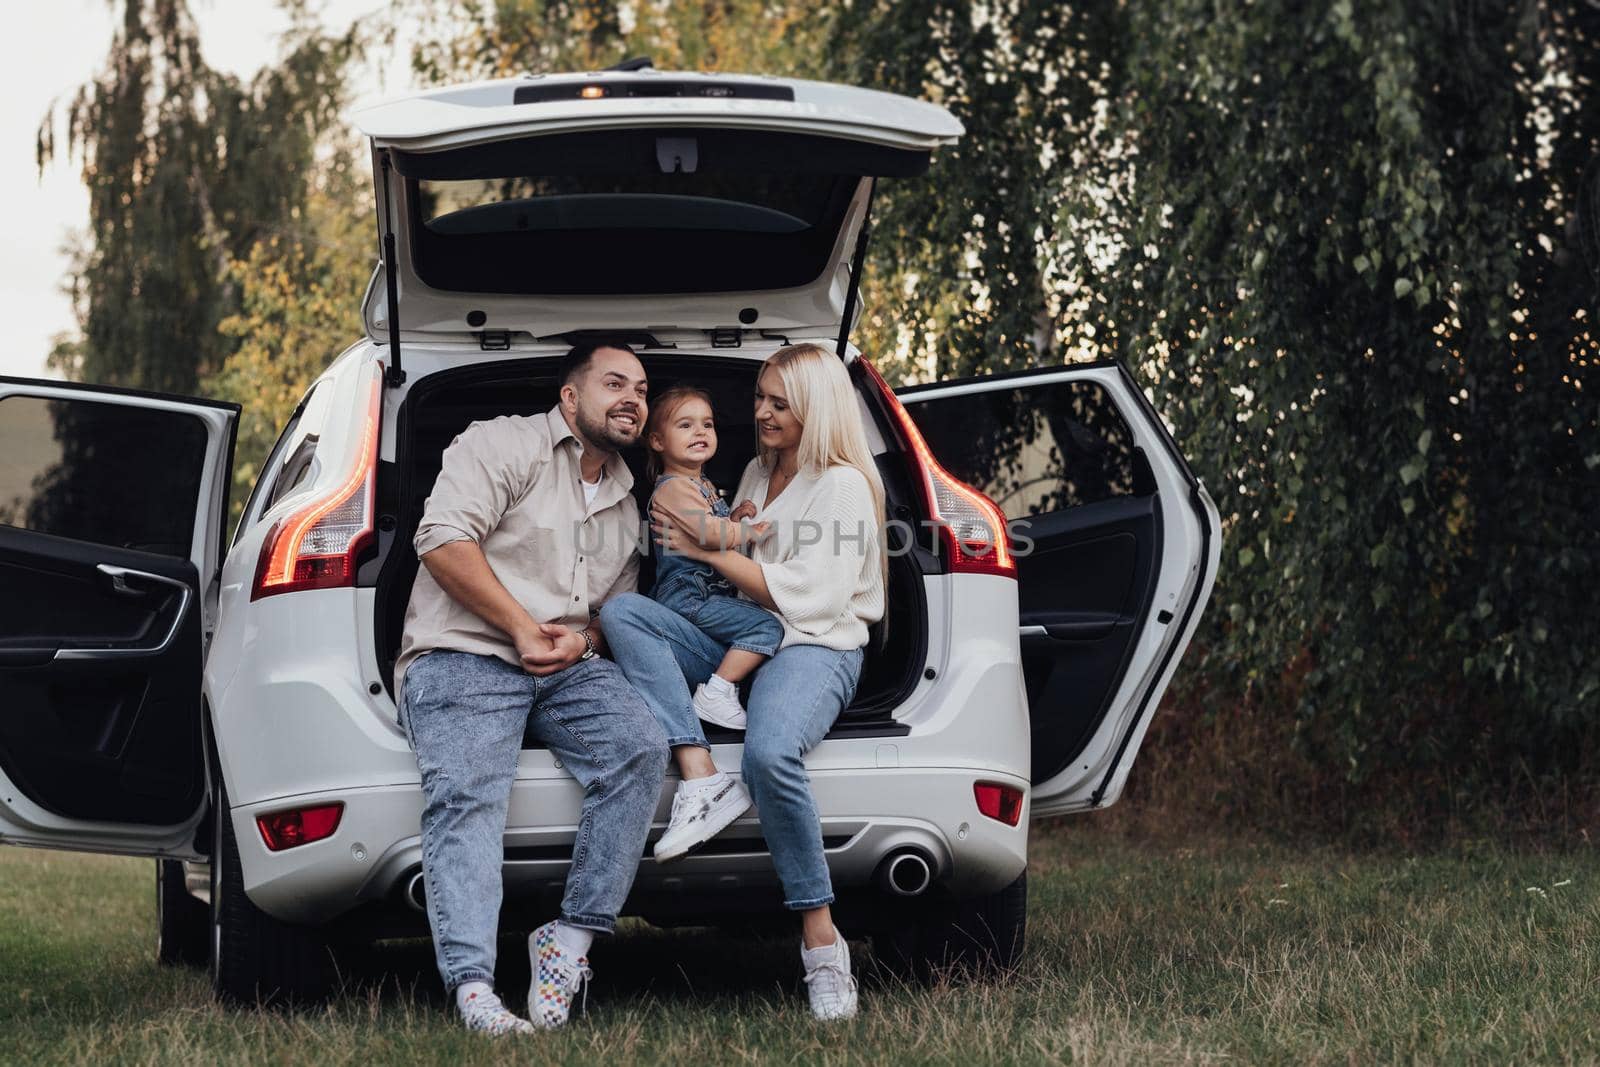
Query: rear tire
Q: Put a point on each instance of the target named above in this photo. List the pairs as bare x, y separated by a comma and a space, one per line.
183, 924
255, 959
981, 937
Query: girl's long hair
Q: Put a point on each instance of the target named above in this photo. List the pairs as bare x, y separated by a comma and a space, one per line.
819, 392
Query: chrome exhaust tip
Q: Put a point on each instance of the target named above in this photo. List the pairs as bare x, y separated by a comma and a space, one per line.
416, 893
907, 874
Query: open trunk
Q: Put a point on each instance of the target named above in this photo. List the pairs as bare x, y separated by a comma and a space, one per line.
439, 407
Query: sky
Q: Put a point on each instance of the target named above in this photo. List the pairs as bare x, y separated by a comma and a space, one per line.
61, 44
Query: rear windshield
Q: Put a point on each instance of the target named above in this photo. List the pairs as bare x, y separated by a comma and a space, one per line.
668, 211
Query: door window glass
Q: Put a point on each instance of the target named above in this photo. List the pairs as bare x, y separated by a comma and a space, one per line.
105, 473
1035, 448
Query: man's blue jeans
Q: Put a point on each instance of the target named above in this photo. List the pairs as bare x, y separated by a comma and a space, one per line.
795, 699
465, 715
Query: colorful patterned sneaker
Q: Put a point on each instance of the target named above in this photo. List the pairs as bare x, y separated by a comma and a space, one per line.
485, 1014
828, 979
557, 978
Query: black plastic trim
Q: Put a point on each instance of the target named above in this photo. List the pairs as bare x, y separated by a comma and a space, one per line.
858, 262
717, 846
631, 149
652, 87
394, 376
223, 540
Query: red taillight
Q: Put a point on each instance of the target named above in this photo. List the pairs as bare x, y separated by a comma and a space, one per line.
1000, 802
317, 546
972, 527
287, 829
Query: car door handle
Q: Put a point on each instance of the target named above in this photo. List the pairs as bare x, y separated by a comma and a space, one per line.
1077, 630
119, 583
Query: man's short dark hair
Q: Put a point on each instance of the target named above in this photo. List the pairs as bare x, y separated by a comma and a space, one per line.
577, 361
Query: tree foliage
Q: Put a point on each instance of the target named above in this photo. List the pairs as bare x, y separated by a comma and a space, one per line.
1366, 312
963, 277
299, 307
1353, 254
505, 38
187, 168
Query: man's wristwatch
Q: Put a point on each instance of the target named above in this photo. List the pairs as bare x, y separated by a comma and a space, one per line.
588, 642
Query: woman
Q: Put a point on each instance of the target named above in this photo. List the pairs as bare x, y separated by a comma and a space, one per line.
821, 570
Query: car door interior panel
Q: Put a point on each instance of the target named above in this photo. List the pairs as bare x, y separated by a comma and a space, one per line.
1060, 460
101, 628
1083, 595
101, 717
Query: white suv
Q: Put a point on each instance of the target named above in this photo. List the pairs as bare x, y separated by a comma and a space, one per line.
229, 710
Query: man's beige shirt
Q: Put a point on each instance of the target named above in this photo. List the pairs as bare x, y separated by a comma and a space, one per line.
511, 485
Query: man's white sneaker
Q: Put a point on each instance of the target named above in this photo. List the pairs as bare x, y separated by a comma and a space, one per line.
828, 978
699, 813
485, 1014
719, 707
557, 978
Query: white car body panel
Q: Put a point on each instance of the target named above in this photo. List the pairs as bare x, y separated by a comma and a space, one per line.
483, 112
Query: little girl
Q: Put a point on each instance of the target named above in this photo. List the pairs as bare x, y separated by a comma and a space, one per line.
681, 435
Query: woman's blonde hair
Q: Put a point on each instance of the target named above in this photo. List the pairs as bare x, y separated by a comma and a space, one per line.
661, 411
818, 390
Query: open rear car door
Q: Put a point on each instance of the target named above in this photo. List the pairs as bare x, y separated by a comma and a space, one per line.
112, 506
644, 202
1116, 544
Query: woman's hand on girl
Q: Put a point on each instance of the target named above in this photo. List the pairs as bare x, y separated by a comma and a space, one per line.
677, 541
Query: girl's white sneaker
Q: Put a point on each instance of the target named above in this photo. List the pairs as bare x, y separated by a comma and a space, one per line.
719, 707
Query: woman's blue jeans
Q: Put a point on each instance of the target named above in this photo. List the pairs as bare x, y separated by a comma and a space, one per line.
795, 699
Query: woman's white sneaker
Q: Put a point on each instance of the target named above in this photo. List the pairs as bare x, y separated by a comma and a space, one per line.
701, 809
829, 981
719, 705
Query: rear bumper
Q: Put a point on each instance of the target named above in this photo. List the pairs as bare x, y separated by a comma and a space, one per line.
377, 848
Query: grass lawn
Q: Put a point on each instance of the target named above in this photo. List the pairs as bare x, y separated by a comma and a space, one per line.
1145, 953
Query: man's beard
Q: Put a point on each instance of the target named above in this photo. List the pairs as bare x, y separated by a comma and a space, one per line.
600, 432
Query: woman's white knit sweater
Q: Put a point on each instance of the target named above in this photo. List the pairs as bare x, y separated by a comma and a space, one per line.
821, 563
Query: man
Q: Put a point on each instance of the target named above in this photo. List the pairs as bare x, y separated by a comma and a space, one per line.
529, 529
